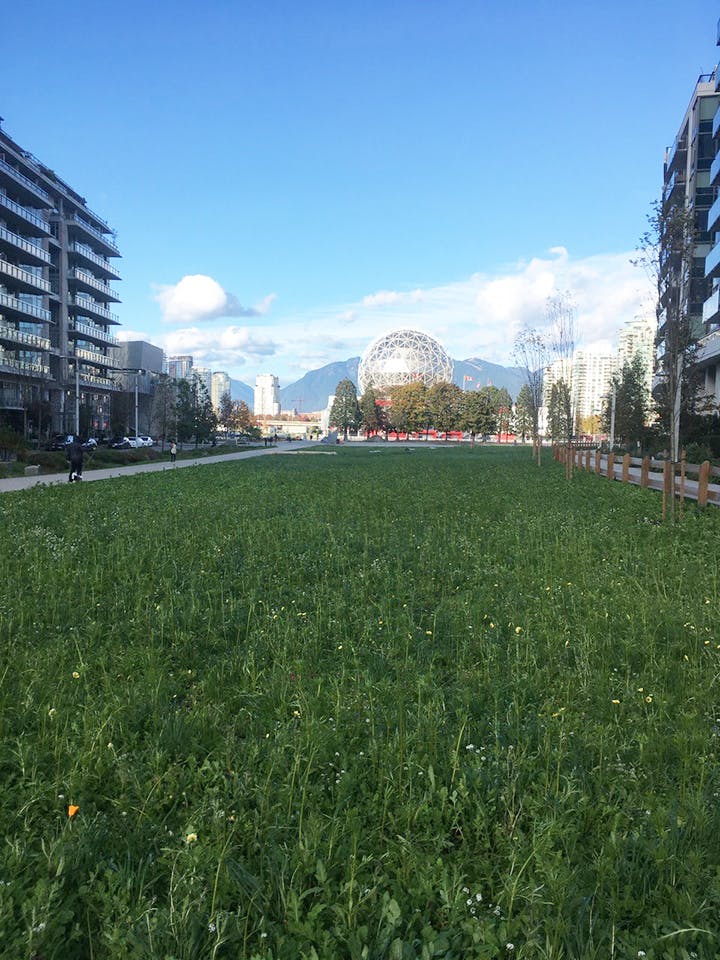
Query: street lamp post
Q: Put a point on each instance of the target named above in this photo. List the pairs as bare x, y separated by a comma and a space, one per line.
137, 371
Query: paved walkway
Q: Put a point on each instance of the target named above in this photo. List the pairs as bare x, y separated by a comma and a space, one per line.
23, 483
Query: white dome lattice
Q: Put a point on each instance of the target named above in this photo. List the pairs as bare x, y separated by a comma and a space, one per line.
403, 356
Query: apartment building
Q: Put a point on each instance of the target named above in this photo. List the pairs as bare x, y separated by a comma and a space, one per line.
180, 367
220, 386
637, 339
267, 395
588, 375
57, 356
709, 347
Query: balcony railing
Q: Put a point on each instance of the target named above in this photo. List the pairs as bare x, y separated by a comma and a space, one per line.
676, 150
19, 306
94, 309
23, 366
93, 257
20, 336
92, 332
24, 276
676, 179
97, 381
93, 356
25, 214
32, 249
26, 181
98, 234
75, 273
708, 348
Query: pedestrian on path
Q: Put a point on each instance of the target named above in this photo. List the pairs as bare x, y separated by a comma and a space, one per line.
75, 456
173, 451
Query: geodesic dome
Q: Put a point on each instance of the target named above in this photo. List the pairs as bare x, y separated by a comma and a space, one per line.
403, 356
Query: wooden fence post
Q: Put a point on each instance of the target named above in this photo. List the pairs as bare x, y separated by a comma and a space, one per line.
611, 465
703, 480
598, 461
645, 472
587, 460
626, 468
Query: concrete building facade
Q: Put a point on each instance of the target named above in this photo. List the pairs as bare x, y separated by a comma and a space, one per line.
219, 387
57, 348
179, 367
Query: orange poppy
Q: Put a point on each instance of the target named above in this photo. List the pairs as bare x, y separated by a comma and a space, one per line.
72, 809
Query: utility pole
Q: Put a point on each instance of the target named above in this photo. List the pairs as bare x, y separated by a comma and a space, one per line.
612, 416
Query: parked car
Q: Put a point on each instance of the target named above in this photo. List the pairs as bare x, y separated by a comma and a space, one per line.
120, 443
90, 444
146, 442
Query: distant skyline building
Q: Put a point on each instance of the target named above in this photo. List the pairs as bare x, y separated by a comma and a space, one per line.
637, 339
267, 396
203, 375
588, 375
220, 385
179, 367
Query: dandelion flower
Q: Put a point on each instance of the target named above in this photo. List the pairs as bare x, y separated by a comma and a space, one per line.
52, 711
191, 838
518, 629
648, 699
296, 713
339, 646
76, 675
616, 702
72, 810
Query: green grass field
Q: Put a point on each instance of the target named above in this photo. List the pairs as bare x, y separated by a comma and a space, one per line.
373, 705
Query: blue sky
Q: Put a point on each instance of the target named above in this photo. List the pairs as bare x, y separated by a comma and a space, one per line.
288, 180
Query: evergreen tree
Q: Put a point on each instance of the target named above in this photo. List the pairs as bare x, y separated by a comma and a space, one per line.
345, 412
523, 413
163, 414
478, 415
630, 403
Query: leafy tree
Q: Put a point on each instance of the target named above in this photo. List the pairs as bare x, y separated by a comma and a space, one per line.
163, 412
504, 409
345, 412
444, 401
479, 414
630, 402
667, 253
241, 417
530, 353
408, 407
373, 418
225, 411
523, 413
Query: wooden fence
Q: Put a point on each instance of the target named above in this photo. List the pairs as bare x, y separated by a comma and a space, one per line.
694, 481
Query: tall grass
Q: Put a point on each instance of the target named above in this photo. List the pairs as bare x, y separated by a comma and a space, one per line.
427, 704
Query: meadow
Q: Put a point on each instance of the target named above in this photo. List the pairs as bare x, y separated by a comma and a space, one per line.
391, 704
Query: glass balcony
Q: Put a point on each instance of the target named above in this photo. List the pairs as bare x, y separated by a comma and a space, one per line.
714, 215
24, 280
85, 253
89, 379
11, 399
674, 182
711, 307
712, 262
88, 331
26, 182
19, 306
33, 253
715, 170
708, 349
678, 151
78, 305
94, 356
26, 217
98, 287
11, 365
31, 340
97, 235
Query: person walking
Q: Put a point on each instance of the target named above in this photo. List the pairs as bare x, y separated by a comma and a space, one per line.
173, 451
75, 456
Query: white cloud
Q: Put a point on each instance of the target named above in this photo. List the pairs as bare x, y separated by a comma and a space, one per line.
198, 297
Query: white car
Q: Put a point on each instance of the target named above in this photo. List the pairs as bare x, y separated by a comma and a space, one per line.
146, 441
